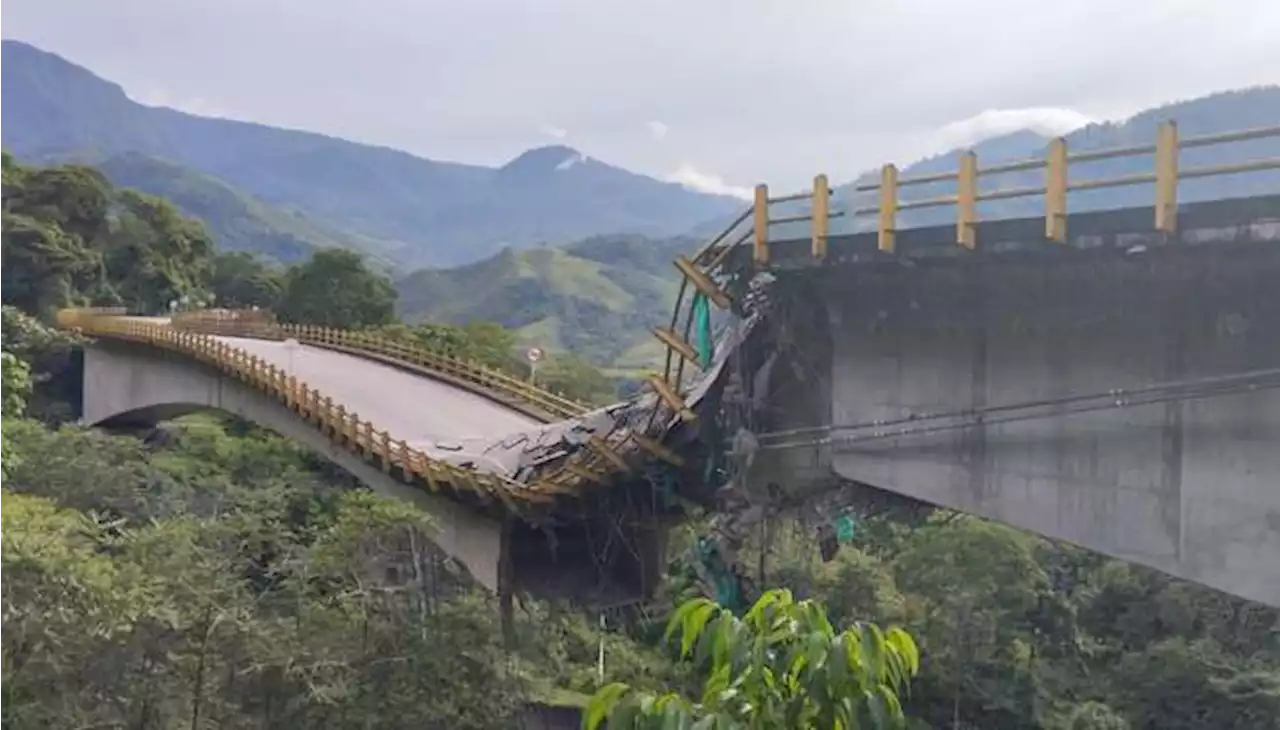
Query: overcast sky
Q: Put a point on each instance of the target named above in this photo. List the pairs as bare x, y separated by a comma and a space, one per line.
714, 92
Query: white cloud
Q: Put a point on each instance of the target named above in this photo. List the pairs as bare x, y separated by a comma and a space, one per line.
571, 160
704, 182
553, 131
1048, 121
191, 105
658, 130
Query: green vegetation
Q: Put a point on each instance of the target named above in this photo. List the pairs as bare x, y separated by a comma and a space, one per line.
235, 219
214, 575
597, 298
224, 580
70, 238
334, 289
208, 574
781, 666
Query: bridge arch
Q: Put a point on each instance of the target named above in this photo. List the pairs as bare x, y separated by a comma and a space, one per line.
129, 384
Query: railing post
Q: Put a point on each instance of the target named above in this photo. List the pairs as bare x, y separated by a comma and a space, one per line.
1167, 178
385, 448
888, 208
1055, 191
339, 421
406, 464
967, 201
761, 212
821, 213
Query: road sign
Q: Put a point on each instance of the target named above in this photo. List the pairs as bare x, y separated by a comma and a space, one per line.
534, 354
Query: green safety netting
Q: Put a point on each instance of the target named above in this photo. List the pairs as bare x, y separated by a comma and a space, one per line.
844, 528
702, 318
728, 594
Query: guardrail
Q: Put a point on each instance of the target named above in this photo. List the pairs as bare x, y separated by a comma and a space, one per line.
538, 402
604, 458
1166, 173
1057, 164
345, 428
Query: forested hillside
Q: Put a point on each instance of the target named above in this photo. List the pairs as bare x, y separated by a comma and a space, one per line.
236, 221
597, 298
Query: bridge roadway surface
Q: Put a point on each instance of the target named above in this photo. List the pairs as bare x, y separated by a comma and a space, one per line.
444, 421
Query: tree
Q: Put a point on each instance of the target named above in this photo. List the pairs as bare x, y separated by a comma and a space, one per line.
75, 198
242, 280
71, 238
1093, 716
156, 255
1179, 685
783, 665
336, 289
48, 355
485, 342
44, 267
64, 602
577, 379
975, 589
17, 385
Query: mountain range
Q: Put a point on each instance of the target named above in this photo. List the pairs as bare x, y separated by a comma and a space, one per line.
572, 253
407, 209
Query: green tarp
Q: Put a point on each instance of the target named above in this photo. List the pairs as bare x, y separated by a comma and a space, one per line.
702, 320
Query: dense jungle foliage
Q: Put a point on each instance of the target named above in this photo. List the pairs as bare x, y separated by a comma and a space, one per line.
207, 574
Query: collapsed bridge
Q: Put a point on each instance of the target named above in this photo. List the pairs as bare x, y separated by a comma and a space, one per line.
1104, 377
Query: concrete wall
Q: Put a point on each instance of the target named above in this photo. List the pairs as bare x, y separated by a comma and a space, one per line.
135, 384
1190, 487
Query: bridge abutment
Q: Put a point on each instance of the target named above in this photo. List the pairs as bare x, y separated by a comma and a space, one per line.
1190, 486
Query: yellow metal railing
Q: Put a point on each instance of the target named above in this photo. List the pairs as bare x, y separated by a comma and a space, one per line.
604, 456
345, 428
1057, 163
533, 400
